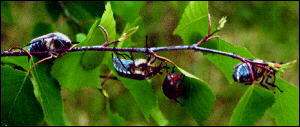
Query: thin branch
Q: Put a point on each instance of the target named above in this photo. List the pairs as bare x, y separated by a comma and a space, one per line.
141, 50
105, 32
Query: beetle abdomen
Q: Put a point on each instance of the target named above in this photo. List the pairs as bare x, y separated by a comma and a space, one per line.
122, 65
38, 46
242, 73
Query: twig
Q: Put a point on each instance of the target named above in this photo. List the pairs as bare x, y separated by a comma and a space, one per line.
105, 32
141, 50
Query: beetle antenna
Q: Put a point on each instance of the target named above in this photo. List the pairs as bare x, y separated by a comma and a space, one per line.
131, 57
147, 43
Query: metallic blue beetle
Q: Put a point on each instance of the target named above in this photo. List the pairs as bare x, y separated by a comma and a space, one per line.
242, 74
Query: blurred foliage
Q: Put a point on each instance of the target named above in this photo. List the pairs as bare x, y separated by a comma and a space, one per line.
269, 30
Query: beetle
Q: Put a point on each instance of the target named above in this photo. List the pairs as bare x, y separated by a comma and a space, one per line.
263, 74
49, 42
139, 69
172, 86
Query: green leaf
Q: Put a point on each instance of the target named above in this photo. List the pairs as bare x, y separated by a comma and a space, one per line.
252, 106
114, 119
19, 107
97, 37
47, 90
193, 23
121, 8
198, 99
286, 107
70, 74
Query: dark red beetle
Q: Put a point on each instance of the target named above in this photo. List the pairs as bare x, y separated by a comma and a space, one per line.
172, 86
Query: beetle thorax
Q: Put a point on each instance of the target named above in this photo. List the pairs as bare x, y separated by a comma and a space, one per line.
142, 67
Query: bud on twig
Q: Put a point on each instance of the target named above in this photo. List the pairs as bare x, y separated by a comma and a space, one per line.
281, 67
128, 33
222, 23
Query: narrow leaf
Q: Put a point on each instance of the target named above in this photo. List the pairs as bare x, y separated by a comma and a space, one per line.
252, 106
47, 90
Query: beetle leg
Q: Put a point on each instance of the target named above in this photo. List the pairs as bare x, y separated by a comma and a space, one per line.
272, 84
123, 55
40, 61
64, 53
131, 57
263, 81
22, 49
148, 58
151, 61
